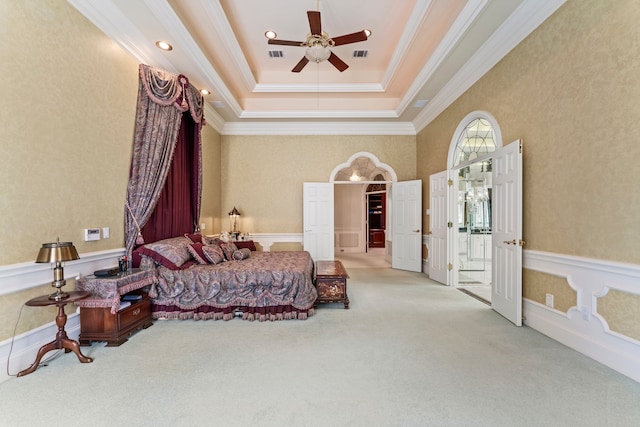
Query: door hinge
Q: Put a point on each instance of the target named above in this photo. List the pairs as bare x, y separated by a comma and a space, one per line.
520, 146
449, 266
450, 182
449, 224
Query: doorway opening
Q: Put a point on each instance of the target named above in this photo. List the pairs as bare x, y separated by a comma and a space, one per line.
476, 138
362, 211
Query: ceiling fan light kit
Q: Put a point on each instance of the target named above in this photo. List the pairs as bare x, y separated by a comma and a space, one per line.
319, 42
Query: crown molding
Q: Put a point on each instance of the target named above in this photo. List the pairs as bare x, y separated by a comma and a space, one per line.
459, 28
319, 114
417, 16
522, 22
318, 128
318, 88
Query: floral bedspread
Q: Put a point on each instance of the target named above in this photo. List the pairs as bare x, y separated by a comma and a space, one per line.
272, 285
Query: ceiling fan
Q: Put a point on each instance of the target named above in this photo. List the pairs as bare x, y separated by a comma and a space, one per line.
318, 43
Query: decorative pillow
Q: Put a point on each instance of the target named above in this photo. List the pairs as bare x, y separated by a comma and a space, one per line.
228, 248
171, 253
213, 253
241, 254
196, 250
195, 238
246, 244
208, 240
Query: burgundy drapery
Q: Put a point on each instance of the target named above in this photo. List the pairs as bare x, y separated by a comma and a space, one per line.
176, 210
163, 99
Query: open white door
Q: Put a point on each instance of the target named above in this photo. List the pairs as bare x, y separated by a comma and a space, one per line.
407, 226
506, 264
438, 190
317, 220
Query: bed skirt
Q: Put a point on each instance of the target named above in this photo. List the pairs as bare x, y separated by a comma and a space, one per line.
206, 312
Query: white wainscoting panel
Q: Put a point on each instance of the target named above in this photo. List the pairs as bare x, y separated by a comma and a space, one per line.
582, 327
23, 348
267, 240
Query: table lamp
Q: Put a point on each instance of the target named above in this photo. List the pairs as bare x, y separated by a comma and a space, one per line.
233, 219
57, 253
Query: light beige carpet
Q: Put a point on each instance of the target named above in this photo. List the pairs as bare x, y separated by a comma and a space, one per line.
409, 352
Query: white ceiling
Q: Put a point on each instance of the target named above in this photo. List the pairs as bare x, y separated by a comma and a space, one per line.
420, 50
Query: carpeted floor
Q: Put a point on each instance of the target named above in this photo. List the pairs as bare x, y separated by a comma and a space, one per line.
408, 352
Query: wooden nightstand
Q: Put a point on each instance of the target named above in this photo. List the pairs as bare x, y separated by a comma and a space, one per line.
101, 318
331, 282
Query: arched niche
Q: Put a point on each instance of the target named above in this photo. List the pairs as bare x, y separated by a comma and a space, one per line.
362, 167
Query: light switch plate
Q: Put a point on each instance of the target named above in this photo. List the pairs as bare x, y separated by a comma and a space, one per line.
91, 234
105, 233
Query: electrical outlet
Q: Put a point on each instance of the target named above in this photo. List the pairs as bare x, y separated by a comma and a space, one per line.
549, 300
203, 226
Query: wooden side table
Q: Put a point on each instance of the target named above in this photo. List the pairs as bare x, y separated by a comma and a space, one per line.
331, 282
102, 319
62, 340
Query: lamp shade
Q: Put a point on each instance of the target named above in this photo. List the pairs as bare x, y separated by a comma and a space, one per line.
57, 252
317, 53
234, 212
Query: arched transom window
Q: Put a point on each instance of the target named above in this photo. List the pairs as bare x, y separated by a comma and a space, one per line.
477, 136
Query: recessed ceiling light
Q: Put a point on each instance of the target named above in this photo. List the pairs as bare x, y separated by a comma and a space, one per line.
420, 103
205, 92
367, 32
270, 34
164, 45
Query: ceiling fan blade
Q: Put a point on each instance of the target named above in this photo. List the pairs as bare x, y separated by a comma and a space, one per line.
300, 65
314, 22
285, 42
360, 36
337, 62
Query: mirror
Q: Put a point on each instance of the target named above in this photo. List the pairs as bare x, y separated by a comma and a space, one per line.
474, 222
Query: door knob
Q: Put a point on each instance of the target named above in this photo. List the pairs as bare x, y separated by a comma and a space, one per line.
416, 231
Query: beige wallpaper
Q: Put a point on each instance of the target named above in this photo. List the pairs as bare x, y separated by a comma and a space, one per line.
211, 177
536, 285
263, 175
570, 91
621, 310
66, 126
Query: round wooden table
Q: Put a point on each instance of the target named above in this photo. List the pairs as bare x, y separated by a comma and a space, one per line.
62, 340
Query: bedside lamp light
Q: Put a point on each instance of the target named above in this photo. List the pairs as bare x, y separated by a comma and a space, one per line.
57, 253
234, 215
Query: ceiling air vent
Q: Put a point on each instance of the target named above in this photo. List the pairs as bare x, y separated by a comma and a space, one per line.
360, 53
275, 54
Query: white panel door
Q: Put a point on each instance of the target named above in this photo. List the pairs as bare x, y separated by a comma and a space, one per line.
317, 220
407, 226
506, 264
438, 190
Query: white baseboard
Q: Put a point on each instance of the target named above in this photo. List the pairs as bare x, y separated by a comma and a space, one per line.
586, 336
25, 346
582, 327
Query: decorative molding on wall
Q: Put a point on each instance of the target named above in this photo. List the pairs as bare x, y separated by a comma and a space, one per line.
318, 128
267, 240
583, 328
26, 275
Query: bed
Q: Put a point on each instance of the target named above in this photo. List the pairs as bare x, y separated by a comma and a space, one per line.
216, 280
